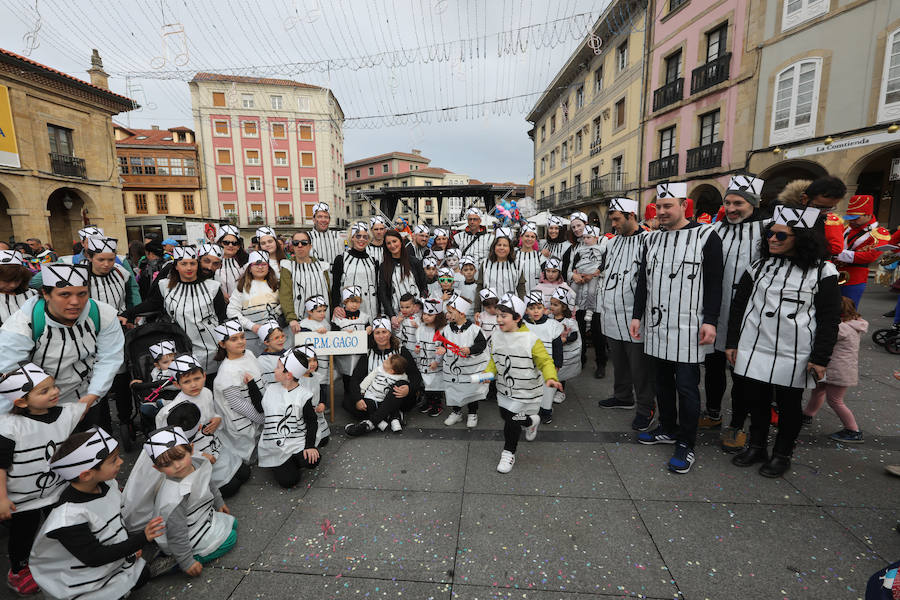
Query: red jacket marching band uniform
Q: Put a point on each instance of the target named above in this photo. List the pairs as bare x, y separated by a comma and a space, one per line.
861, 236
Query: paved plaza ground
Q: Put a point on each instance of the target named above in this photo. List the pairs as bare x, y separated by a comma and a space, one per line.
586, 512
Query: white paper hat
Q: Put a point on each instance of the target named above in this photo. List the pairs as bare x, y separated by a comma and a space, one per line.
451, 252
228, 230
11, 257
258, 256
320, 206
513, 302
61, 275
473, 210
801, 217
264, 231
295, 362
578, 216
671, 190
421, 229
432, 306
180, 252
86, 456
351, 291
89, 231
745, 183
505, 232
460, 303
564, 295
468, 260
429, 261
378, 219
358, 227
488, 294
227, 329
184, 362
210, 250
534, 297
15, 384
100, 245
445, 272
313, 302
591, 231
529, 227
181, 407
381, 323
555, 220
164, 439
624, 205
163, 347
266, 328
552, 262
440, 232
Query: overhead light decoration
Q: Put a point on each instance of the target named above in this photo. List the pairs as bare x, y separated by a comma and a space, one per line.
777, 150
893, 128
829, 140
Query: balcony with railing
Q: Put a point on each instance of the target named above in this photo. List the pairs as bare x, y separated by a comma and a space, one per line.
668, 94
713, 72
67, 166
595, 147
285, 219
708, 156
663, 167
597, 188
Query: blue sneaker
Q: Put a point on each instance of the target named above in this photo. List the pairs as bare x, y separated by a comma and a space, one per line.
682, 460
657, 436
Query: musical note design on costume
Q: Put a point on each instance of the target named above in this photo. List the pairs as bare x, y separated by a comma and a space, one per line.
48, 480
656, 315
506, 364
793, 315
695, 266
283, 429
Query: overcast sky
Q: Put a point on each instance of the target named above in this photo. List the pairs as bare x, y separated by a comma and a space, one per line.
380, 57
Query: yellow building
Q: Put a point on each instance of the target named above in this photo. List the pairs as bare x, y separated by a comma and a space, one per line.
58, 168
587, 123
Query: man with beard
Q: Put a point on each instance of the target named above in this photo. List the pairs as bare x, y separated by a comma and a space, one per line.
326, 243
474, 240
378, 226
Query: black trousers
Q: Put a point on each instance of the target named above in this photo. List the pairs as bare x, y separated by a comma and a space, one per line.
289, 473
714, 384
471, 407
512, 429
240, 478
678, 398
432, 398
23, 529
597, 337
790, 415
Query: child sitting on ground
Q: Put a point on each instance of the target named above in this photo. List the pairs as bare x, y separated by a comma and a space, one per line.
83, 549
381, 404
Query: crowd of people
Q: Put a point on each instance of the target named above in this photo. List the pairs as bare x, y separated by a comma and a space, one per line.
453, 319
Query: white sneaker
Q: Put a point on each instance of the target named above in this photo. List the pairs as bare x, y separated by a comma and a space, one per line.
382, 425
395, 425
531, 430
453, 418
559, 397
472, 421
507, 460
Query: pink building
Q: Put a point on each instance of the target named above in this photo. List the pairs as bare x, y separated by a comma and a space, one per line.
695, 100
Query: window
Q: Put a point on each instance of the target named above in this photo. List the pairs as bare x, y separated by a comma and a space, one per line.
282, 184
796, 101
673, 4
247, 101
622, 56
427, 184
189, 167
404, 183
279, 131
620, 113
305, 132
162, 203
123, 165
226, 183
709, 128
384, 168
303, 103
137, 165
250, 129
598, 79
597, 124
359, 210
552, 190
595, 173
552, 159
565, 111
218, 98
666, 142
220, 128
429, 205
223, 156
254, 184
175, 168
579, 96
229, 210
162, 166
140, 203
281, 158
60, 140
149, 166
187, 202
256, 211
889, 98
543, 133
284, 210
715, 42
357, 173
306, 159
543, 165
309, 184
251, 157
276, 102
673, 66
552, 124
371, 170
578, 142
564, 157
618, 175
798, 11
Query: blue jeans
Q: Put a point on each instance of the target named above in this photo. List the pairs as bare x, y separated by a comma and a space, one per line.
678, 416
854, 292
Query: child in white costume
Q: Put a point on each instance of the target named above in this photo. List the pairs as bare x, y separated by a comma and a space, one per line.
487, 318
288, 441
238, 390
199, 526
548, 331
427, 361
560, 308
83, 550
467, 284
354, 320
460, 364
522, 368
313, 381
409, 320
273, 340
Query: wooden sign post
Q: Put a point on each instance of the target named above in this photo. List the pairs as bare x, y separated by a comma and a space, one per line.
331, 344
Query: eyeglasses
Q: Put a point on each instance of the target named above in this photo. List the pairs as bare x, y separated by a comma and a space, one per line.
779, 235
445, 279
301, 242
227, 243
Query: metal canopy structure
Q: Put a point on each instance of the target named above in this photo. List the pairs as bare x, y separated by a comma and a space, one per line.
390, 197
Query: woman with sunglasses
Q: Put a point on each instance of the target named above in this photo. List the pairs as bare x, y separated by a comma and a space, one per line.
782, 328
234, 257
356, 267
301, 278
401, 273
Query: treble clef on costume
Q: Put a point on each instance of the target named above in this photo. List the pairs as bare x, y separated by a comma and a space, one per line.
508, 379
49, 479
283, 429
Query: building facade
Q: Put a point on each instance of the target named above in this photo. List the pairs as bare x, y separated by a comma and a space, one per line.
57, 154
828, 97
161, 191
697, 67
587, 123
269, 150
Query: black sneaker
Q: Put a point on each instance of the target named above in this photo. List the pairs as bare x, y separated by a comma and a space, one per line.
600, 372
642, 422
424, 407
615, 403
434, 411
545, 415
806, 420
357, 429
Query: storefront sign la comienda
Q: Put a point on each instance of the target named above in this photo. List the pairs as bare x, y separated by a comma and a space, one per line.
333, 343
845, 144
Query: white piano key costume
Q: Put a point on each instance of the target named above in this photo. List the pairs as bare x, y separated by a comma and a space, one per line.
326, 244
556, 248
307, 279
230, 389
355, 267
190, 304
547, 330
10, 303
285, 430
615, 302
586, 260
231, 268
476, 245
255, 306
424, 349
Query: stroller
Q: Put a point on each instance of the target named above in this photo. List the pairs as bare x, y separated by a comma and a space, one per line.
140, 364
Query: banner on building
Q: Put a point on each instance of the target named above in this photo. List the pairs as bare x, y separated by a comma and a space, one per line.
9, 151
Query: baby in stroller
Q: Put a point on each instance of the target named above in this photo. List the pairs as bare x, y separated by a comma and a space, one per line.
163, 353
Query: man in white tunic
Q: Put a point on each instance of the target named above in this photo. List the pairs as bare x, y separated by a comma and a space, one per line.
326, 242
474, 240
677, 301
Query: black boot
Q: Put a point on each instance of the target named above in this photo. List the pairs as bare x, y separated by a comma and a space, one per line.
750, 456
776, 467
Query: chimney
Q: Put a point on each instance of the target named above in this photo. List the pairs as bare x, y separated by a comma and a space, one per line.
417, 152
155, 127
99, 77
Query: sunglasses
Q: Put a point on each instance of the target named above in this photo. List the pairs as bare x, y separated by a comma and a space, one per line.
779, 235
445, 279
301, 242
227, 243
